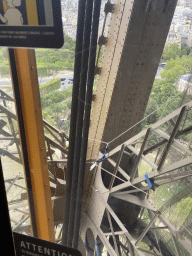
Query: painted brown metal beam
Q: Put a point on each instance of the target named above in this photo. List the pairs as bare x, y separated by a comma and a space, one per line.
116, 167
140, 154
53, 143
130, 61
171, 139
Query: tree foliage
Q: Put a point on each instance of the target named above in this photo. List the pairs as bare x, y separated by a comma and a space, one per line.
55, 97
164, 97
50, 86
172, 51
56, 104
4, 65
50, 61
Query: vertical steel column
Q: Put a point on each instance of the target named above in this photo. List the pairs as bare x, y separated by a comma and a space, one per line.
74, 106
91, 70
80, 113
26, 72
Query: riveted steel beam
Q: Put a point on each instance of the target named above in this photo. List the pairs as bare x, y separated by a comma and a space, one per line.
135, 200
28, 88
166, 169
112, 230
131, 240
176, 233
176, 142
110, 63
171, 139
154, 230
140, 154
176, 246
125, 175
134, 150
102, 236
116, 167
130, 61
149, 252
153, 127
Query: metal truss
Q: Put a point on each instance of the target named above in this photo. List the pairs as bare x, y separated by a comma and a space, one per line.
8, 117
131, 188
11, 148
55, 138
18, 220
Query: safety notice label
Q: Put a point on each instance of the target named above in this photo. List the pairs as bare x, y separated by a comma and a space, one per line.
30, 246
31, 23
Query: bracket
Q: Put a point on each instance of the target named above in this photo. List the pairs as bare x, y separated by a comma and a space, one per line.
109, 8
97, 70
102, 40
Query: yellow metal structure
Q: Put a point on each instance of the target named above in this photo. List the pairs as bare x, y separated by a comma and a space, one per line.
5, 6
33, 124
32, 16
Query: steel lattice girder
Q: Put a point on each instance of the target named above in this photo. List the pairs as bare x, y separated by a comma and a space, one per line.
136, 38
100, 195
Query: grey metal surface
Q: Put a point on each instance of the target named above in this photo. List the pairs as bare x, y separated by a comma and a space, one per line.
132, 52
131, 56
142, 49
171, 139
125, 195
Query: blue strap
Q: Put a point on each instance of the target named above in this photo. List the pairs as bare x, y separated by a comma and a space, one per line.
98, 249
103, 156
86, 244
97, 244
150, 182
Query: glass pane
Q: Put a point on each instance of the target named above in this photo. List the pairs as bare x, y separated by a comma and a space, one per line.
11, 153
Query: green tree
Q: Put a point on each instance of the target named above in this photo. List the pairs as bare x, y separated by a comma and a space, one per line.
171, 75
187, 48
50, 61
172, 51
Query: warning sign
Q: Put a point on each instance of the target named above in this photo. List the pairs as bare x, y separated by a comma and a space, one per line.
30, 246
31, 23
